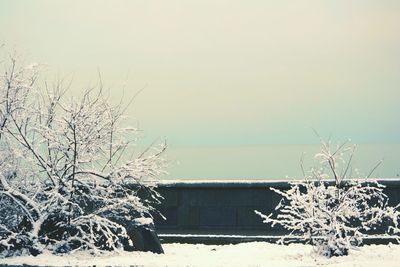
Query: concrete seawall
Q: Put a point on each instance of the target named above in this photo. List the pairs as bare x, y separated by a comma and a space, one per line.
197, 209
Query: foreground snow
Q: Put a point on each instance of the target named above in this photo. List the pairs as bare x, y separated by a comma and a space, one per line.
245, 254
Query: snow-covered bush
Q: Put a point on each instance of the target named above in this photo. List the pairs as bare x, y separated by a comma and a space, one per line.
329, 208
68, 178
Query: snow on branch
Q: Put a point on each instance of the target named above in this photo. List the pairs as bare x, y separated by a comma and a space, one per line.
332, 210
66, 182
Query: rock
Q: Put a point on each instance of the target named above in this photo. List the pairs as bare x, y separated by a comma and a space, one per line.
144, 237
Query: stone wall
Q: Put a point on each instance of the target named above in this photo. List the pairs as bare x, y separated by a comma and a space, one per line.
218, 207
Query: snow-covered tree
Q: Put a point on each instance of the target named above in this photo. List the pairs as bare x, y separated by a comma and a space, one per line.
68, 178
329, 208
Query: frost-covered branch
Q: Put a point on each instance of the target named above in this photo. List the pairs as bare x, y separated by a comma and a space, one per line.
331, 210
65, 182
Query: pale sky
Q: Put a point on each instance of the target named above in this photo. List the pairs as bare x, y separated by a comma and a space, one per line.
226, 72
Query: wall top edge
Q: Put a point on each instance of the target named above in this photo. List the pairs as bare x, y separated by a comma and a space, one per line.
249, 183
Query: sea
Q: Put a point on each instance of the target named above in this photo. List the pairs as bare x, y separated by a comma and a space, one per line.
271, 162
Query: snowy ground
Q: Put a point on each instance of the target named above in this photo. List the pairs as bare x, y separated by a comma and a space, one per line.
244, 254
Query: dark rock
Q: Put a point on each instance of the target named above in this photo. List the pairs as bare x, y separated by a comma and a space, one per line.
143, 237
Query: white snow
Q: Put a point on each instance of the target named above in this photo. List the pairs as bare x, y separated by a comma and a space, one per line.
244, 254
143, 221
243, 181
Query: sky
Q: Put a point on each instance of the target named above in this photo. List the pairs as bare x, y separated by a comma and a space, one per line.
226, 73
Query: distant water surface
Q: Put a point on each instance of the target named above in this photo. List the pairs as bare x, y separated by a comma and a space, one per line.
271, 161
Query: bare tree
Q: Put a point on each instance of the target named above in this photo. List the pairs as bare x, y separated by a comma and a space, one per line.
66, 181
331, 210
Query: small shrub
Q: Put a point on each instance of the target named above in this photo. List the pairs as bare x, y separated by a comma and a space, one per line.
331, 210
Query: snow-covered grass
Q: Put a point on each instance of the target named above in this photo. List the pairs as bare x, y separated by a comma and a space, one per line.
244, 254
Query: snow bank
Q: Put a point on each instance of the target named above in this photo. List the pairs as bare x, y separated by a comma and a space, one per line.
244, 254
